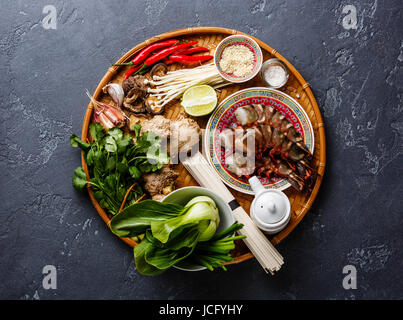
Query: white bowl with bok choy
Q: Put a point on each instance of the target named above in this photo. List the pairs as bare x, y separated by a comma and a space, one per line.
199, 259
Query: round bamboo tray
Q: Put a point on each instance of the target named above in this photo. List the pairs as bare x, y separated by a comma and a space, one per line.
296, 87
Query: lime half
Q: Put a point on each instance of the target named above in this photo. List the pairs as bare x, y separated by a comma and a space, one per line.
199, 100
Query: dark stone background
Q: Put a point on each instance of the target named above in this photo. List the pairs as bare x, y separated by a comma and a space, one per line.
356, 76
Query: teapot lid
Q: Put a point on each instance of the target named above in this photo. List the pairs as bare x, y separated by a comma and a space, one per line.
271, 206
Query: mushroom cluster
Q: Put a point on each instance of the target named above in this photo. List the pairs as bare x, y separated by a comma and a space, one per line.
136, 98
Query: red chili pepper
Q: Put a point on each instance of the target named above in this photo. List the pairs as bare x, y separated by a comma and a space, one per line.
168, 61
189, 59
143, 54
165, 53
187, 51
131, 71
194, 50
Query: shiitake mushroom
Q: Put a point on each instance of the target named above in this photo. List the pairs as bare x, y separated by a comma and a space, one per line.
136, 99
149, 102
134, 94
138, 107
133, 101
160, 69
136, 81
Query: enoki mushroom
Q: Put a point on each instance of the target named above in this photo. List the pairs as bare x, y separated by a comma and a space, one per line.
174, 83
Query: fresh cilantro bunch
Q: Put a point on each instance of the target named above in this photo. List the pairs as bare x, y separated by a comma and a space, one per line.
116, 164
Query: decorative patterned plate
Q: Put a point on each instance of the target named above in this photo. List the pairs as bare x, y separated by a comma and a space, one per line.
223, 117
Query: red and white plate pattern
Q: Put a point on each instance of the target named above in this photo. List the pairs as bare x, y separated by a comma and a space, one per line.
223, 117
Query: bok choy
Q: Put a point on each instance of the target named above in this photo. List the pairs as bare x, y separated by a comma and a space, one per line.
200, 210
172, 233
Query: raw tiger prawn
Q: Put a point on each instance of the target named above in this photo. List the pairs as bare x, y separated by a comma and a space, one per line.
278, 147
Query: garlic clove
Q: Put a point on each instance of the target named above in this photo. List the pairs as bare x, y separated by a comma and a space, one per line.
116, 92
105, 121
114, 114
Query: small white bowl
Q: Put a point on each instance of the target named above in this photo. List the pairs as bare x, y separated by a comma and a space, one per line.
239, 40
182, 196
274, 62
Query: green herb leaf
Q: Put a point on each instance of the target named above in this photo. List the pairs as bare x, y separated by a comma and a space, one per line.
124, 142
111, 164
156, 157
110, 144
122, 166
115, 162
116, 133
99, 160
79, 179
146, 141
136, 128
77, 142
97, 131
134, 172
99, 195
110, 183
89, 157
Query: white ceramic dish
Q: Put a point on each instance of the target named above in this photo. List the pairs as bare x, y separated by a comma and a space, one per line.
184, 195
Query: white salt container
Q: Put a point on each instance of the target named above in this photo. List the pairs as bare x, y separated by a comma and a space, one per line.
270, 209
274, 73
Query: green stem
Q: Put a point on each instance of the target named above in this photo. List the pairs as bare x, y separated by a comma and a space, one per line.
234, 227
124, 64
104, 191
116, 173
218, 258
144, 71
143, 67
212, 249
203, 262
233, 238
135, 158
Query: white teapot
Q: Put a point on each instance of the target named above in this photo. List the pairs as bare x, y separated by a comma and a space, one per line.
270, 209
